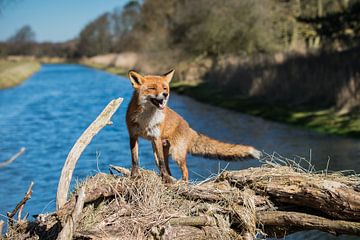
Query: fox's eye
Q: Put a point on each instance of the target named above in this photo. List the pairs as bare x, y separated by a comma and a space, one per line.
165, 88
151, 88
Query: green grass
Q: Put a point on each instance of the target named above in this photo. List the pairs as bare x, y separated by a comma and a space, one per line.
320, 120
13, 73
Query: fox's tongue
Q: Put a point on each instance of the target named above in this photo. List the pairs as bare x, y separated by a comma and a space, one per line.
162, 104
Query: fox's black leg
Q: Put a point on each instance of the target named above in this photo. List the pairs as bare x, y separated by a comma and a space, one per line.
134, 156
166, 148
157, 144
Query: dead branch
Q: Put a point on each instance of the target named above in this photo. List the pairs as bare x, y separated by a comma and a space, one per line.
124, 171
20, 212
72, 220
333, 198
101, 121
196, 221
20, 204
220, 191
13, 158
279, 223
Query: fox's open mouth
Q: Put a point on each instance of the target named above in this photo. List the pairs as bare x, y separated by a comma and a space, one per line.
159, 103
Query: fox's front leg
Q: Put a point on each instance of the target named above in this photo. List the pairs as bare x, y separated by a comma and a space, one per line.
134, 156
166, 148
158, 150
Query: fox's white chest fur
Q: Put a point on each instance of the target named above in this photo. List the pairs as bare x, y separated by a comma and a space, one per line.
148, 122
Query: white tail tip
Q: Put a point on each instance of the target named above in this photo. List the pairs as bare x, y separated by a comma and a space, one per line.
256, 153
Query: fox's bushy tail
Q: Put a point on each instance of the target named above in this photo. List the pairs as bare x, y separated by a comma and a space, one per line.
207, 147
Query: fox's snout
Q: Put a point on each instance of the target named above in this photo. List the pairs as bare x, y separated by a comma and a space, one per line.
161, 96
159, 100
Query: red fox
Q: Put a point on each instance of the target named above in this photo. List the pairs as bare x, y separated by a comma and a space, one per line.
148, 117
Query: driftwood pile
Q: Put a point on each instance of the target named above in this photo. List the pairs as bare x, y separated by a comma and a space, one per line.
269, 201
264, 201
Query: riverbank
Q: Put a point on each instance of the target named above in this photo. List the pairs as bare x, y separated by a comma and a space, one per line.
323, 120
12, 73
110, 69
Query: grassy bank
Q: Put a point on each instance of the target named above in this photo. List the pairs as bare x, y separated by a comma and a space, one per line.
13, 73
320, 120
113, 70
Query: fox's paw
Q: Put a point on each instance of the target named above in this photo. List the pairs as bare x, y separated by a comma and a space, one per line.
167, 179
255, 153
135, 173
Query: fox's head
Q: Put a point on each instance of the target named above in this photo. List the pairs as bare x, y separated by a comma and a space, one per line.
152, 89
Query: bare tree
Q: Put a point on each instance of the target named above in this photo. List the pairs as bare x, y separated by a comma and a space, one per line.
24, 35
95, 38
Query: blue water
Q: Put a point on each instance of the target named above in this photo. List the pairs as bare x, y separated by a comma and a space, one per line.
48, 112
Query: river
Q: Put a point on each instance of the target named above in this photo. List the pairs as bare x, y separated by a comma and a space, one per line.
49, 111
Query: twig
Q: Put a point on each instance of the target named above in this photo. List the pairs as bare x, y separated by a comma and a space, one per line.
13, 158
20, 212
71, 221
101, 121
20, 204
327, 166
124, 171
26, 216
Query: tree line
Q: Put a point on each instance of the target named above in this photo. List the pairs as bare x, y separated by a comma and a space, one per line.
207, 27
214, 27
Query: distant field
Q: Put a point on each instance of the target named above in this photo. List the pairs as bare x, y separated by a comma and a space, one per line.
13, 73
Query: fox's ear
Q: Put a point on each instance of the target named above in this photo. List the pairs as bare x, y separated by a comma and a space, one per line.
169, 75
135, 78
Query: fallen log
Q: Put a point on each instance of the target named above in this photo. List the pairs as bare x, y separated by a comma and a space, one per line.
335, 196
278, 223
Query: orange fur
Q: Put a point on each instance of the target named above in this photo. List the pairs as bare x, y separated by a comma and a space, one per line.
149, 117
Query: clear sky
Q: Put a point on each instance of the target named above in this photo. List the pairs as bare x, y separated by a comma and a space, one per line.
52, 20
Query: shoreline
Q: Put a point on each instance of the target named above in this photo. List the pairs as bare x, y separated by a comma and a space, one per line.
325, 120
13, 73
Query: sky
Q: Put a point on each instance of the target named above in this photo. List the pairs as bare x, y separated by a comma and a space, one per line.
52, 20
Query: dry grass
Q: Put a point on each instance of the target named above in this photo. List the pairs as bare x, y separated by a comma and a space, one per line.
303, 165
13, 73
145, 208
144, 204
